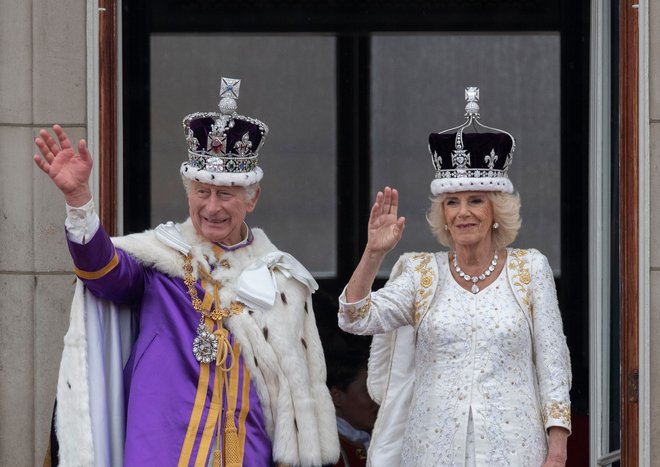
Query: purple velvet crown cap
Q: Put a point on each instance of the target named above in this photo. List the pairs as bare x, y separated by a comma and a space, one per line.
474, 161
476, 145
471, 161
201, 127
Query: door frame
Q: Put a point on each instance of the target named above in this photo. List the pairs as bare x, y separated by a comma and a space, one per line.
634, 203
632, 187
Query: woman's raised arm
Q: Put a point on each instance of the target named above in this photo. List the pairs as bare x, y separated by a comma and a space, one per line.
384, 232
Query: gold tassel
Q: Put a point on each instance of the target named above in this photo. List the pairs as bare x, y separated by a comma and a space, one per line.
217, 458
233, 457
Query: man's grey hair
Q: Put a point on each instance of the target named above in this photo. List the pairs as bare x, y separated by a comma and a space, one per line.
250, 190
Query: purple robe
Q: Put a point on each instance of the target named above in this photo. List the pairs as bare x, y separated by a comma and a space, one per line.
162, 378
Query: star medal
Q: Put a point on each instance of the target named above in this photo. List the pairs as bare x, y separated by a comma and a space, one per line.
205, 345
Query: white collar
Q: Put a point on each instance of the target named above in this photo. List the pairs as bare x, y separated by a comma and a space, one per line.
245, 242
346, 430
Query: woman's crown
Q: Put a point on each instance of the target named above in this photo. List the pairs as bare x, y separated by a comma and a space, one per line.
475, 161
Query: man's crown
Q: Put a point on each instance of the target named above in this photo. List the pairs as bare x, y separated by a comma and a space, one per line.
223, 148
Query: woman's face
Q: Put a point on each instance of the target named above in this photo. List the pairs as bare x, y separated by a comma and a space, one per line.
469, 217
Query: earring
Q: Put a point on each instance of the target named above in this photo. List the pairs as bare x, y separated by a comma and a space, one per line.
496, 225
446, 227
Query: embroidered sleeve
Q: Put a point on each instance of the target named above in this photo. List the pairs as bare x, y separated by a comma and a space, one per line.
557, 412
355, 311
384, 310
553, 365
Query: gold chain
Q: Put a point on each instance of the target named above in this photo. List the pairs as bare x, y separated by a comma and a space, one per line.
190, 283
218, 312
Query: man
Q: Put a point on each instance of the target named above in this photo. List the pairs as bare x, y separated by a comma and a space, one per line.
346, 360
227, 367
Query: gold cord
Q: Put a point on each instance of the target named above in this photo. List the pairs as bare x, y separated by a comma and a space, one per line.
233, 455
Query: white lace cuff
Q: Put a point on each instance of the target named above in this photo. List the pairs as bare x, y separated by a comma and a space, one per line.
81, 223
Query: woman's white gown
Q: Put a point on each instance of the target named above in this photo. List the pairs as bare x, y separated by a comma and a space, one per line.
476, 400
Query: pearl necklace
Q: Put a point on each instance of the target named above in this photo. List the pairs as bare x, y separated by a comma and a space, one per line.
474, 279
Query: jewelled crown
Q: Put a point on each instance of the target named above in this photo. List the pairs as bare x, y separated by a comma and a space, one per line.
223, 147
476, 161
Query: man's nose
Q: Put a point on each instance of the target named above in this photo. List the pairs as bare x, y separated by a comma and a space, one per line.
214, 204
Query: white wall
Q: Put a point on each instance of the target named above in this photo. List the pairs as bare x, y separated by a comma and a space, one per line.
42, 82
654, 110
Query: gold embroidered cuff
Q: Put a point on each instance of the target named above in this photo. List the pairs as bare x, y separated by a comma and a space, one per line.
353, 313
557, 412
93, 275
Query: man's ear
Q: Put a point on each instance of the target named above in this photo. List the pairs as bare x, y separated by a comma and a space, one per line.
253, 202
337, 396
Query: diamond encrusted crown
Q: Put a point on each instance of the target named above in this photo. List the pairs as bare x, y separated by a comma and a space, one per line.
223, 148
477, 161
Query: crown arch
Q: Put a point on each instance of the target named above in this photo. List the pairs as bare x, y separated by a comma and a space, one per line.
350, 44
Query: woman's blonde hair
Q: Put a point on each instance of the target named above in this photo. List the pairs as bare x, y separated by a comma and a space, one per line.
506, 212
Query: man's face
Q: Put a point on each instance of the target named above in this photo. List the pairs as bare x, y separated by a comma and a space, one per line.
218, 212
354, 405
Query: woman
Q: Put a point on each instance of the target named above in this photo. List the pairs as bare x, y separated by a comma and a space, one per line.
491, 366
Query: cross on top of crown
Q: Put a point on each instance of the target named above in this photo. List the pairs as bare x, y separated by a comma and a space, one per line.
472, 98
230, 87
472, 94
